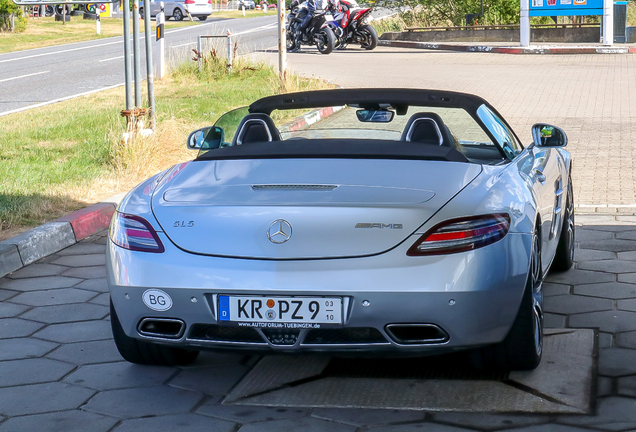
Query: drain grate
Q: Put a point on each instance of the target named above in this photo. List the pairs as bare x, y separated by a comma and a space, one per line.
561, 384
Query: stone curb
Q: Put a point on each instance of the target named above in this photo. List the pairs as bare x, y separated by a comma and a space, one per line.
47, 239
542, 49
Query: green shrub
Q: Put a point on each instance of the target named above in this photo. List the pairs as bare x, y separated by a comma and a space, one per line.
8, 8
431, 13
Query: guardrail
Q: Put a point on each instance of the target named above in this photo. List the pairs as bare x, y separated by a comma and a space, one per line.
494, 27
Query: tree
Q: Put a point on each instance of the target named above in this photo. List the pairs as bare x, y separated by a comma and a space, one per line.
8, 8
453, 12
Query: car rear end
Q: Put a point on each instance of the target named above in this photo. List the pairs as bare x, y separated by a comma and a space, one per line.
198, 8
247, 261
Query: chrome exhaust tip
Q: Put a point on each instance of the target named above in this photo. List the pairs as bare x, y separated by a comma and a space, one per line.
410, 334
166, 328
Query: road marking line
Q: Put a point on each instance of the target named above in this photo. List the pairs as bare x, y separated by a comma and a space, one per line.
59, 52
257, 29
24, 76
59, 100
112, 58
120, 41
177, 46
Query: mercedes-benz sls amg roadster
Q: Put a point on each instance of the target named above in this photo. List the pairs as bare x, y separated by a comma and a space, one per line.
364, 222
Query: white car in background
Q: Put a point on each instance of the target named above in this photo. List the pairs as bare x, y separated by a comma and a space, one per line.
178, 9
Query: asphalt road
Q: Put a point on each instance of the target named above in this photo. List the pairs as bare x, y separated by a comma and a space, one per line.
36, 77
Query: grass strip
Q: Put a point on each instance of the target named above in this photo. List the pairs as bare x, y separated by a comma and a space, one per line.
45, 31
62, 157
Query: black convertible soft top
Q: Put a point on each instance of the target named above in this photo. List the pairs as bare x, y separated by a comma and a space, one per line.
335, 149
369, 97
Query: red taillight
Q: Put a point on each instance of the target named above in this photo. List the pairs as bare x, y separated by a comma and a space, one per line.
134, 233
461, 235
189, 1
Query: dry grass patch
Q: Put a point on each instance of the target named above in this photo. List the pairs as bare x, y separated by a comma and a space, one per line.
76, 156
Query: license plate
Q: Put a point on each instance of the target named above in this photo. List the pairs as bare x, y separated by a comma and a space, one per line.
267, 311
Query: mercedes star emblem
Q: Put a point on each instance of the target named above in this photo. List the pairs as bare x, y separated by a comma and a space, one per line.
279, 231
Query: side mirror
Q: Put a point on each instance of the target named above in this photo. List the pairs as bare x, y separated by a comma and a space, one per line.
546, 135
206, 138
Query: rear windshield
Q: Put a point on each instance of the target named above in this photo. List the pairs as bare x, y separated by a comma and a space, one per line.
343, 123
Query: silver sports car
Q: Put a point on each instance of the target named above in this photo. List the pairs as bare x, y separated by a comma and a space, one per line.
359, 221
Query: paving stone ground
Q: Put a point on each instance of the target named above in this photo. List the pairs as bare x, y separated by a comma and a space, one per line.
592, 97
60, 370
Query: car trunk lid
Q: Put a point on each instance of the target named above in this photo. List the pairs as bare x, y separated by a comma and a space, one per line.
303, 208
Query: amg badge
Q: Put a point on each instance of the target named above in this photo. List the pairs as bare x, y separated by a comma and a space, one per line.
379, 225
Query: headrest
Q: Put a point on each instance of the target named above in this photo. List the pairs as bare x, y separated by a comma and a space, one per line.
427, 128
256, 128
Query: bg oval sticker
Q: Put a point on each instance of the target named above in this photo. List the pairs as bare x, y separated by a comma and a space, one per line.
157, 300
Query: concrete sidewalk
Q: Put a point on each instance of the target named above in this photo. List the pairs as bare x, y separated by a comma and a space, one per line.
60, 371
509, 48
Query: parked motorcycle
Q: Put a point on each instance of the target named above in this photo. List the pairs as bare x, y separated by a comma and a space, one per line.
349, 26
317, 32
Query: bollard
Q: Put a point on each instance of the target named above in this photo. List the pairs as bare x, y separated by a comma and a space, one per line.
160, 45
229, 50
243, 8
136, 54
98, 22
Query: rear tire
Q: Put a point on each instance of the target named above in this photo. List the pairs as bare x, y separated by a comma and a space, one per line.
564, 257
147, 353
523, 346
327, 41
177, 14
202, 17
369, 37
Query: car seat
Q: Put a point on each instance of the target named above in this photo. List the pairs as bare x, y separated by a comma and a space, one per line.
256, 128
427, 128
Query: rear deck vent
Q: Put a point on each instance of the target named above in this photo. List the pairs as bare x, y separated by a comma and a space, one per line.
294, 187
416, 333
344, 336
212, 332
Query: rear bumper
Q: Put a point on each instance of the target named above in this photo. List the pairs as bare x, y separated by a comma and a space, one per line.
473, 297
195, 9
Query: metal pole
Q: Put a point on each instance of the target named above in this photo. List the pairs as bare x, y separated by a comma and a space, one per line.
524, 26
161, 45
608, 22
136, 54
150, 77
229, 52
199, 51
282, 44
127, 65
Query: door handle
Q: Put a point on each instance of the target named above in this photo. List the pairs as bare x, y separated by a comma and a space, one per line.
538, 174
